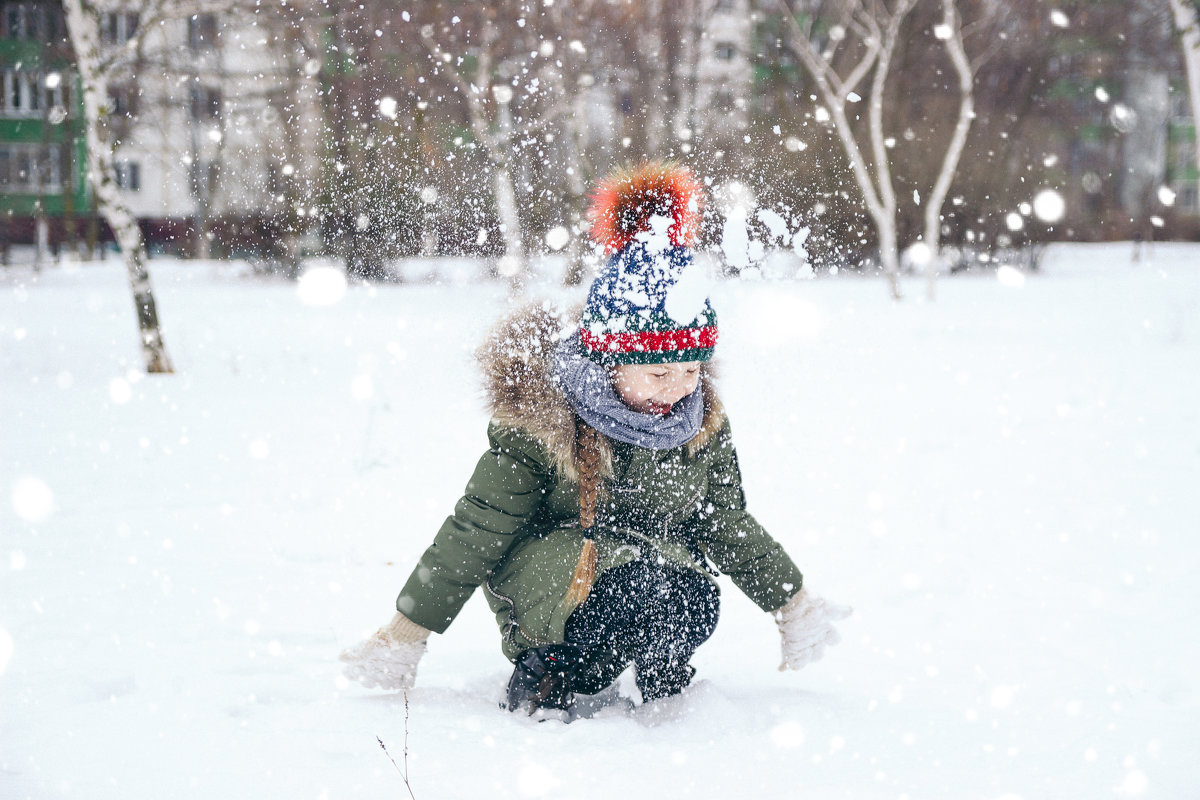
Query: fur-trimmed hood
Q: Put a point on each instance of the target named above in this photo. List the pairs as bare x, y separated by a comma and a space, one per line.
523, 393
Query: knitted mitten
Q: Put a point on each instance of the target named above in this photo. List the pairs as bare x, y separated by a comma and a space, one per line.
388, 659
806, 627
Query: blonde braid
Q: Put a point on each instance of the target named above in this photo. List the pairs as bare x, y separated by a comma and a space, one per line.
587, 458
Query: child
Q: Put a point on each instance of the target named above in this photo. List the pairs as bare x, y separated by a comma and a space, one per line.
611, 487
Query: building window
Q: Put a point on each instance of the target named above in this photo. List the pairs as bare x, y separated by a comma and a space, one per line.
1181, 107
123, 100
129, 175
204, 102
1188, 199
15, 89
31, 20
31, 168
1185, 156
118, 27
725, 51
16, 92
24, 93
14, 21
52, 90
202, 31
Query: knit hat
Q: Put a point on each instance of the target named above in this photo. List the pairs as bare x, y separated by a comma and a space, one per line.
648, 305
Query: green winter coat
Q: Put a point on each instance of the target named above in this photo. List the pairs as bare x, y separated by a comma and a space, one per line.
516, 529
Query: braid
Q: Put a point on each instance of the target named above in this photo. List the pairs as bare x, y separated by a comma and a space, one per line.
587, 459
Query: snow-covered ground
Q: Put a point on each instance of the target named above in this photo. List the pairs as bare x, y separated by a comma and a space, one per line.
1004, 484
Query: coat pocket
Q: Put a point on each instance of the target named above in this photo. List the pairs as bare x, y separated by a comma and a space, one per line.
527, 590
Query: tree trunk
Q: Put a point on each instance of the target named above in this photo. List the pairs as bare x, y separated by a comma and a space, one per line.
41, 251
512, 264
885, 218
958, 140
83, 23
657, 102
577, 200
878, 191
889, 253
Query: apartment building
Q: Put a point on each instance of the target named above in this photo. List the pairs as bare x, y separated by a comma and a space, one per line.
42, 155
212, 122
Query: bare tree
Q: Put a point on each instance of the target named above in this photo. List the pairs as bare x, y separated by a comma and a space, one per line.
293, 102
848, 44
489, 109
95, 69
514, 67
950, 32
866, 31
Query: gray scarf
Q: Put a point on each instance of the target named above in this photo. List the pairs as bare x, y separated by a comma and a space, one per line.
589, 390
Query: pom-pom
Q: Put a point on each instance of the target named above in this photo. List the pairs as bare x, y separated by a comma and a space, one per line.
624, 203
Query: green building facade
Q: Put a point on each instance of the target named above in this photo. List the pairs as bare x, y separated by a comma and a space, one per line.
1182, 174
43, 157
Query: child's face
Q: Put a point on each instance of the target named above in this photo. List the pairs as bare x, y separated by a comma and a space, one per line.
654, 388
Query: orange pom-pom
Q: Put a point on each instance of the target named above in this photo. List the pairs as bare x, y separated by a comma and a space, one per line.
624, 203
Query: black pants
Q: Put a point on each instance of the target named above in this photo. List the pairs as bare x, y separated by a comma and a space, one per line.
653, 616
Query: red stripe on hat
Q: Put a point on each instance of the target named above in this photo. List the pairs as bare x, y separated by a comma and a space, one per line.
650, 341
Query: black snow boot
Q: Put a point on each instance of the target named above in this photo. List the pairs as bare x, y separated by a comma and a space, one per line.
655, 684
542, 679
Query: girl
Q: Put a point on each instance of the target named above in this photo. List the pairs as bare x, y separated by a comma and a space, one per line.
611, 488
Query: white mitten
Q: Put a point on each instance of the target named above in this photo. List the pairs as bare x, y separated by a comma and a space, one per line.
806, 627
388, 659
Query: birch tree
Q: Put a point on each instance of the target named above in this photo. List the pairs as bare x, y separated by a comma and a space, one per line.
658, 49
1187, 21
295, 103
847, 47
950, 33
866, 32
489, 111
95, 69
508, 64
689, 33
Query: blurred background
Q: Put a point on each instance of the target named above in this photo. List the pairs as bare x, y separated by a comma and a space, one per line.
842, 132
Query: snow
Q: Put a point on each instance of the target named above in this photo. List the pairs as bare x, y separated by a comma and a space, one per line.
32, 500
558, 237
776, 225
685, 299
321, 286
735, 240
1002, 484
1010, 276
1049, 206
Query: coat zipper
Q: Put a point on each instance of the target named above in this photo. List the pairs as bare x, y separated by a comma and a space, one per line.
513, 626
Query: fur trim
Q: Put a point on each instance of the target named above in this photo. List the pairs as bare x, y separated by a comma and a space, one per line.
522, 392
714, 411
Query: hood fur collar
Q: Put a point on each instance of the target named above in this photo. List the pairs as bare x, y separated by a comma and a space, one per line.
516, 359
